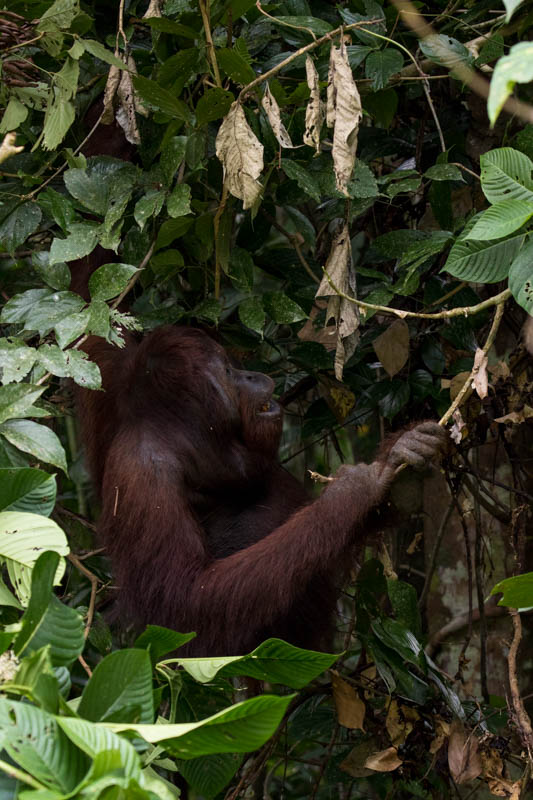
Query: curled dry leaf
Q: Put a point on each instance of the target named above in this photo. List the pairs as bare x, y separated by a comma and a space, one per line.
271, 109
463, 754
312, 331
392, 347
315, 112
400, 722
345, 313
384, 761
344, 113
241, 154
349, 706
442, 732
480, 379
119, 84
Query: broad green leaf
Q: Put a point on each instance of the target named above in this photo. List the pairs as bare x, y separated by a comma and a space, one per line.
241, 728
17, 309
482, 262
58, 15
122, 679
214, 104
102, 184
394, 635
521, 277
25, 489
241, 269
149, 205
47, 621
46, 313
58, 118
80, 242
209, 308
501, 220
38, 440
363, 182
516, 67
444, 172
99, 51
35, 742
171, 230
16, 400
53, 359
274, 661
172, 155
445, 50
179, 201
109, 280
300, 174
517, 591
71, 327
506, 175
16, 359
208, 775
235, 66
282, 309
94, 739
99, 320
381, 65
7, 598
319, 26
159, 641
252, 314
160, 98
14, 115
166, 25
84, 372
55, 275
17, 221
23, 538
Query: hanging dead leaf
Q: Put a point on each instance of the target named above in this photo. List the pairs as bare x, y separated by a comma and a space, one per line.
392, 347
354, 763
517, 416
111, 86
459, 425
313, 331
457, 383
400, 722
315, 112
344, 113
346, 316
463, 754
350, 708
241, 154
272, 111
338, 397
480, 379
442, 732
384, 761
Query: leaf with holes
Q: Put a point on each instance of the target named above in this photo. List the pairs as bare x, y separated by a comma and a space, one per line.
521, 277
506, 175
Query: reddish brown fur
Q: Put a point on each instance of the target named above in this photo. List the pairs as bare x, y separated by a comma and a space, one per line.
205, 529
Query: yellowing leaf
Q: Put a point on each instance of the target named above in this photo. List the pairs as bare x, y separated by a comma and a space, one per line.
384, 761
350, 708
241, 154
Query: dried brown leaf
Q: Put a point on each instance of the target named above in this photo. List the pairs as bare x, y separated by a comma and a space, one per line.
241, 154
392, 347
384, 761
400, 722
480, 379
315, 112
354, 763
517, 416
463, 754
350, 708
344, 113
271, 109
442, 732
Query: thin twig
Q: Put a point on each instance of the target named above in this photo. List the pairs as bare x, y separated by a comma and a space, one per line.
204, 11
521, 716
94, 586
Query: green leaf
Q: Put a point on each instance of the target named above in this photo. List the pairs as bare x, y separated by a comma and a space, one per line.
282, 309
208, 775
55, 275
71, 327
214, 104
16, 309
14, 115
99, 320
319, 26
274, 661
47, 621
444, 172
170, 26
517, 591
23, 537
394, 395
381, 65
160, 98
84, 372
98, 50
58, 118
16, 400
97, 739
52, 309
482, 262
521, 277
510, 7
241, 728
506, 175
38, 440
148, 206
501, 220
59, 15
80, 242
252, 314
302, 177
17, 222
25, 489
102, 185
122, 679
171, 230
172, 155
445, 50
159, 641
363, 182
393, 634
16, 360
516, 67
35, 742
109, 280
179, 201
235, 66
404, 602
